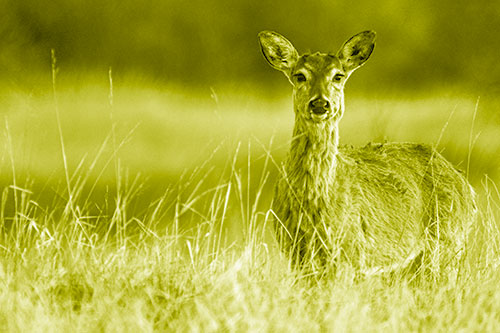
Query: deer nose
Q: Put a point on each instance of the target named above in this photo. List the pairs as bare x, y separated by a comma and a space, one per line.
319, 105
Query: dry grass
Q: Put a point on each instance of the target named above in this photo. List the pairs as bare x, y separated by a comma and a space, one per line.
192, 252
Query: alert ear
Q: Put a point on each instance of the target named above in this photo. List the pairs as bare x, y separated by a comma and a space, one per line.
278, 51
356, 50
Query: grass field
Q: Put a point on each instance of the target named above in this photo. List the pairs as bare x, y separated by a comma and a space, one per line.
145, 208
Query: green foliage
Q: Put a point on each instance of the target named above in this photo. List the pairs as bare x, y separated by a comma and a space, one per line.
210, 41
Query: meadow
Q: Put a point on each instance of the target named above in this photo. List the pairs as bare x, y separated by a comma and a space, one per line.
130, 205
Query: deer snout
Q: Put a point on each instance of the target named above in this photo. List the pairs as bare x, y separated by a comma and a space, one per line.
319, 106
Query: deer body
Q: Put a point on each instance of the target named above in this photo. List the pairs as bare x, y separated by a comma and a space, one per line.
379, 207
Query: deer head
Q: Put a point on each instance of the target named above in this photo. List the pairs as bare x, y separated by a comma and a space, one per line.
318, 79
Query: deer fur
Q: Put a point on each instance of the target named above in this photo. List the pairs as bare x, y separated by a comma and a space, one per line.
378, 208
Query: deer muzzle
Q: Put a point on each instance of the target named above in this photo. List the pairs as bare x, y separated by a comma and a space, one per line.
319, 106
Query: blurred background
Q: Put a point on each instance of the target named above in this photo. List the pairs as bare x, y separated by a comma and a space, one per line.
204, 42
190, 86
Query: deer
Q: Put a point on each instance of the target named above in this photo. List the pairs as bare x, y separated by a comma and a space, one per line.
381, 208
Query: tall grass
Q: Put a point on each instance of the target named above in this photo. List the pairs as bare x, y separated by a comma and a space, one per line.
200, 254
123, 271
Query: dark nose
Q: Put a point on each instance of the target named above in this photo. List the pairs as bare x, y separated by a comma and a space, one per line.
319, 105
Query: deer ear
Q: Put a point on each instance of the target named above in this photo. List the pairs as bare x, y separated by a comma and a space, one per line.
278, 51
356, 50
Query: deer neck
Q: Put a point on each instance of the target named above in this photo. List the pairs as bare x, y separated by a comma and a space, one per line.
312, 161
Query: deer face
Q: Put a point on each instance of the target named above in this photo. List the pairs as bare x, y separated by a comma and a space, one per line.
318, 79
318, 85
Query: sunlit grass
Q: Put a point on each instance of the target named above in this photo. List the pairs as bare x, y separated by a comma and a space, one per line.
168, 223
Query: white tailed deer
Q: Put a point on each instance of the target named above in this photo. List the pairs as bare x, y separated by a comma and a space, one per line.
382, 207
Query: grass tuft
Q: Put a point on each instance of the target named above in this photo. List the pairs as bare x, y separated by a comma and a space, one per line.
88, 251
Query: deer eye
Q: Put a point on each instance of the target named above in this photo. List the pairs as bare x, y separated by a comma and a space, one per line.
338, 77
300, 77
